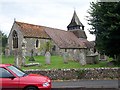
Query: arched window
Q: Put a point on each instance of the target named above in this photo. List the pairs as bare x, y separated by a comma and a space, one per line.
54, 48
15, 39
37, 43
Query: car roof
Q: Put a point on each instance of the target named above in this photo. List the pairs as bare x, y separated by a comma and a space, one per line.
4, 65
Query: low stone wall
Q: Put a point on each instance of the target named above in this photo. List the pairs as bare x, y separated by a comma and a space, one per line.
86, 73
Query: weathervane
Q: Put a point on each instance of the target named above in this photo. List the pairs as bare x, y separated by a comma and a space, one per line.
14, 19
74, 8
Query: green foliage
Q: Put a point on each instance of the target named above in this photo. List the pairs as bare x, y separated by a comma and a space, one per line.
80, 74
96, 61
0, 43
31, 58
105, 21
3, 38
46, 46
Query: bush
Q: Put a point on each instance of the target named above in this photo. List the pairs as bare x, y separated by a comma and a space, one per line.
31, 58
80, 74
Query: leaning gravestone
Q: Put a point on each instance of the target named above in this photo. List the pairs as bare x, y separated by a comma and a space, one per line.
47, 57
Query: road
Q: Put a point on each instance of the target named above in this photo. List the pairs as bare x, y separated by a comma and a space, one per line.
86, 84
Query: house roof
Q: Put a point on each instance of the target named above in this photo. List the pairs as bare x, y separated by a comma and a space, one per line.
31, 30
64, 39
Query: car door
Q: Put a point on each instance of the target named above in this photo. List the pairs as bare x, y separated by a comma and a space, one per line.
9, 81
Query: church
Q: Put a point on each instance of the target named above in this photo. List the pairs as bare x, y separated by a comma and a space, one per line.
39, 39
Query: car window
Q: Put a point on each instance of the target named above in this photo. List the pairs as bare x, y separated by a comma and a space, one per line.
17, 71
4, 73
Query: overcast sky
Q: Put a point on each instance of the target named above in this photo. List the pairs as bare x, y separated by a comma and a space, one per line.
51, 13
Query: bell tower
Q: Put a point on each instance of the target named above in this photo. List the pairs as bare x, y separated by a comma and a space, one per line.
76, 27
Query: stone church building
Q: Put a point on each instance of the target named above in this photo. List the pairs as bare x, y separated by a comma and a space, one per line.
29, 37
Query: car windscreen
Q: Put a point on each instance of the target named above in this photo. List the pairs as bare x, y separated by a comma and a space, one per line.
17, 71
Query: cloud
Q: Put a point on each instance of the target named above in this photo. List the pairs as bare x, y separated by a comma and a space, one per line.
51, 13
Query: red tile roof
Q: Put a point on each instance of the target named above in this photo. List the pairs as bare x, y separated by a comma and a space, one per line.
30, 30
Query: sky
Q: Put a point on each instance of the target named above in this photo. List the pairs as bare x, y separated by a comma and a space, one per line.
50, 13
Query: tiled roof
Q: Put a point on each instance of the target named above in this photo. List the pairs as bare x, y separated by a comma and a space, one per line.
80, 33
30, 30
87, 43
64, 39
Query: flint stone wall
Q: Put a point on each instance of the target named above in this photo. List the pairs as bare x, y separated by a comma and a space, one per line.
87, 73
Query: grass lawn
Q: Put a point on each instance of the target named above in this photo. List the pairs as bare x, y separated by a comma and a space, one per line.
56, 63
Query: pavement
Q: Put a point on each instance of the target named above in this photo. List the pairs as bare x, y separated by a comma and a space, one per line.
86, 84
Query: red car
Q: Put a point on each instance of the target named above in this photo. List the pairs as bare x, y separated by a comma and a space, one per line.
12, 78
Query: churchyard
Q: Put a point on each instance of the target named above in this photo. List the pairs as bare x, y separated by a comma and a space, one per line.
55, 63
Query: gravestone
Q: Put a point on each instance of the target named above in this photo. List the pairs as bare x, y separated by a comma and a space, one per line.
16, 61
82, 57
31, 57
47, 57
65, 57
23, 52
71, 56
23, 56
7, 52
76, 55
18, 58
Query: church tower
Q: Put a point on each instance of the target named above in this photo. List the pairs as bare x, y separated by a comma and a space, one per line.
77, 27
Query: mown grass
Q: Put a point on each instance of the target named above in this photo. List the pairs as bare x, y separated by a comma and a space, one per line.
56, 63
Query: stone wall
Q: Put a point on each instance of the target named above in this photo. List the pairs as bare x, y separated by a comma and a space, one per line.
87, 73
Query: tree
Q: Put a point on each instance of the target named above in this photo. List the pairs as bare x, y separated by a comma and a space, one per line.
4, 40
0, 43
105, 21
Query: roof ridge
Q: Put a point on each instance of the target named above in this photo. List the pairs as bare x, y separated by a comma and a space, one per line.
27, 23
40, 26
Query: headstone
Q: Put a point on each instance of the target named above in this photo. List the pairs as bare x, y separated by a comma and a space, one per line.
7, 52
82, 57
18, 58
17, 61
23, 60
76, 55
47, 57
31, 57
65, 57
71, 56
23, 56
